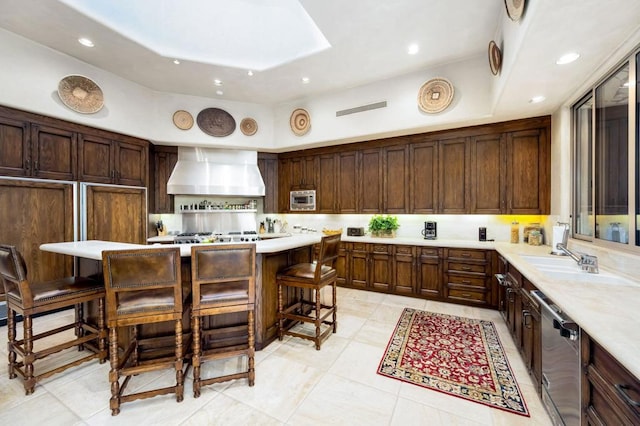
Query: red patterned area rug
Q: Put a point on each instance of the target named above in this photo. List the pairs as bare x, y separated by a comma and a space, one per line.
454, 355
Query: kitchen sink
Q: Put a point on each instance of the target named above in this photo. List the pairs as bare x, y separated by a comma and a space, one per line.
566, 269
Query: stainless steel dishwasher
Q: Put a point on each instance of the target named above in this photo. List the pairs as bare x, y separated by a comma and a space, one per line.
560, 363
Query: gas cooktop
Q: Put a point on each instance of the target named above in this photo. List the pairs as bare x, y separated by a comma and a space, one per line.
208, 237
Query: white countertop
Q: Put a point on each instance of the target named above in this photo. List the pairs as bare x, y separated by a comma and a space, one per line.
606, 311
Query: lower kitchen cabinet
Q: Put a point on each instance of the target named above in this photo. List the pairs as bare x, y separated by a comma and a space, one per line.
468, 276
381, 265
531, 348
429, 272
610, 394
404, 270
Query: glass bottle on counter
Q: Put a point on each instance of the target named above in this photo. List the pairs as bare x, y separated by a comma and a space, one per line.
515, 232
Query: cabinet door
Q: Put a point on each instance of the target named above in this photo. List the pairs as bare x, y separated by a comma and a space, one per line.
164, 160
96, 159
404, 270
532, 338
429, 273
347, 184
453, 168
14, 147
359, 265
381, 267
268, 165
284, 184
131, 164
326, 189
527, 172
342, 264
53, 153
35, 213
395, 179
116, 214
370, 198
423, 177
303, 172
487, 183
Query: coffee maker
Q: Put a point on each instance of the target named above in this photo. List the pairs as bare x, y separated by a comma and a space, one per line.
430, 231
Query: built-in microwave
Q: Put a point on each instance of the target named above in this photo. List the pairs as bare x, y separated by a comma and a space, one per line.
302, 201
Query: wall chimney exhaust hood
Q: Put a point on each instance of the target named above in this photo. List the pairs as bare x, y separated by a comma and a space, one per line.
208, 171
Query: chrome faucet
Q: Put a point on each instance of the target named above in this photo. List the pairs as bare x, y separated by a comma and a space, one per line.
586, 262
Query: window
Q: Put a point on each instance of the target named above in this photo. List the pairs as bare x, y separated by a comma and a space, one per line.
604, 199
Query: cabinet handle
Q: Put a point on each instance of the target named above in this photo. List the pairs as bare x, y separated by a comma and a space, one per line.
466, 255
526, 314
466, 282
35, 166
622, 390
466, 268
466, 294
113, 174
27, 164
510, 295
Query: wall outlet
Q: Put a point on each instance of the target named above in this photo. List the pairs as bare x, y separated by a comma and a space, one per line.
482, 233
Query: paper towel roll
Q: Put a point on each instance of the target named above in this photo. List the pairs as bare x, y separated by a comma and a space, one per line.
558, 237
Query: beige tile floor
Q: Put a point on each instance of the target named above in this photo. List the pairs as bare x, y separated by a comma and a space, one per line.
295, 384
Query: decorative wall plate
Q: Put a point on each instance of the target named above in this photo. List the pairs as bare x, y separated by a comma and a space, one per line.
248, 126
435, 95
300, 122
182, 119
515, 9
80, 94
495, 58
216, 122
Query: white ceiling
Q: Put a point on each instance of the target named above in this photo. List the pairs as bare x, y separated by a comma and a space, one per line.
368, 39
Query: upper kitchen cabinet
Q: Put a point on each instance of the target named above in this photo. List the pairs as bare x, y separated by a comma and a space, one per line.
395, 191
284, 184
33, 150
453, 179
423, 177
528, 172
326, 188
347, 185
487, 188
370, 196
103, 160
164, 159
268, 165
303, 172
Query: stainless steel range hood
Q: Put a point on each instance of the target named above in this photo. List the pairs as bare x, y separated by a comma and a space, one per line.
207, 171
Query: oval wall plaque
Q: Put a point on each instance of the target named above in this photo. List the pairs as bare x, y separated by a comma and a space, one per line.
216, 122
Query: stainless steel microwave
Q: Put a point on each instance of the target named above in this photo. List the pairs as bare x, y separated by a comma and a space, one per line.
302, 201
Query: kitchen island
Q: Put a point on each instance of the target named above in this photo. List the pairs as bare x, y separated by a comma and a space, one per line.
271, 256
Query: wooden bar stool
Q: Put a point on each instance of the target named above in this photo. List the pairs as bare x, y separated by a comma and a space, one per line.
29, 299
223, 279
312, 277
143, 286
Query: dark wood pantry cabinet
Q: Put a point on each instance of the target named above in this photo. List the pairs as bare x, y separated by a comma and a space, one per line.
268, 166
163, 160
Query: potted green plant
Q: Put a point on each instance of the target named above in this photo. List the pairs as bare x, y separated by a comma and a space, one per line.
383, 226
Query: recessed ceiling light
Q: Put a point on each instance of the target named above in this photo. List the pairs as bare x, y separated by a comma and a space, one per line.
413, 49
85, 42
219, 92
177, 62
250, 73
217, 82
537, 99
567, 58
305, 80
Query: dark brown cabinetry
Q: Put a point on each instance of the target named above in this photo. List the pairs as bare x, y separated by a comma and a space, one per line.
531, 348
453, 179
429, 272
487, 176
423, 177
303, 172
395, 191
610, 394
404, 270
380, 258
326, 188
268, 166
36, 150
164, 159
370, 194
468, 275
103, 160
528, 159
347, 183
358, 265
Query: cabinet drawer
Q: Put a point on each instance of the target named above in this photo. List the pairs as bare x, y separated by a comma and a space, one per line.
467, 254
466, 267
381, 248
428, 251
467, 281
404, 250
470, 295
359, 247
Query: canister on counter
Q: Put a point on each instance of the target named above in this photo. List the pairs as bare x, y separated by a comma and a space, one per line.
515, 232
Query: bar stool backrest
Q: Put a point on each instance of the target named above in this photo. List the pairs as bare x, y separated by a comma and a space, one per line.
223, 275
329, 246
133, 278
13, 271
